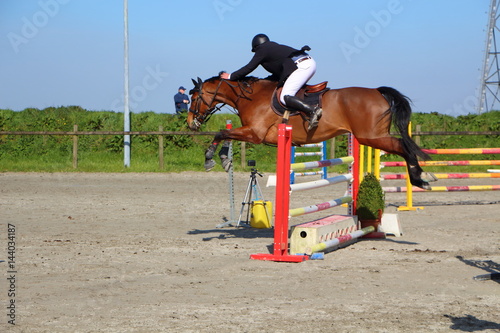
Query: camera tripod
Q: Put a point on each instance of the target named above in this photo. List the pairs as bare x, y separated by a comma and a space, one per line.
253, 187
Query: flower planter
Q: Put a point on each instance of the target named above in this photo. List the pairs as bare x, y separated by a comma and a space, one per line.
363, 223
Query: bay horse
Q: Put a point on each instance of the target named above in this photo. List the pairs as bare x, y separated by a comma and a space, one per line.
366, 113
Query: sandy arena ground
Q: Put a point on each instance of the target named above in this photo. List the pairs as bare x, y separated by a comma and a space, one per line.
140, 253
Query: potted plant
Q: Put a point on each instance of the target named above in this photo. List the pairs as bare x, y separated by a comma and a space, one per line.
370, 202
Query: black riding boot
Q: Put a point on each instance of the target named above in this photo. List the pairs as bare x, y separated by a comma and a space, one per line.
314, 113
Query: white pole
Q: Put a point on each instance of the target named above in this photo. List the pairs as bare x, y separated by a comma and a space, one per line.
320, 183
126, 111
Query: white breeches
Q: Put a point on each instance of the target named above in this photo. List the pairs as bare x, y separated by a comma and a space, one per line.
298, 78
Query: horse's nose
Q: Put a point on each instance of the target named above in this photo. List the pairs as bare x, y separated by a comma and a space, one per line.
193, 124
190, 121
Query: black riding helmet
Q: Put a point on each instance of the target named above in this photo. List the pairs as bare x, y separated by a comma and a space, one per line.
258, 40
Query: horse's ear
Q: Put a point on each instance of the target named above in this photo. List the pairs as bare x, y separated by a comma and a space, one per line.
200, 82
195, 83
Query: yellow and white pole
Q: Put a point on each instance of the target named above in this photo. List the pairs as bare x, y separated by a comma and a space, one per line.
409, 188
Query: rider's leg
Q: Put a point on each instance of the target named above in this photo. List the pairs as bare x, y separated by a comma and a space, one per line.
305, 70
298, 104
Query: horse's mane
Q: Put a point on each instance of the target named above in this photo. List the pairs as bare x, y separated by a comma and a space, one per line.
247, 79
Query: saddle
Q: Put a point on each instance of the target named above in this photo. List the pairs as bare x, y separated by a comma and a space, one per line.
311, 94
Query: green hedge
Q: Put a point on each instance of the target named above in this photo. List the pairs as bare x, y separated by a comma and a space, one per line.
105, 152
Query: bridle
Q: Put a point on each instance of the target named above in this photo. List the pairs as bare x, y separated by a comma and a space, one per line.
200, 118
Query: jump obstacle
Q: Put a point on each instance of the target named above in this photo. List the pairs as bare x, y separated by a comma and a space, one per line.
408, 189
320, 229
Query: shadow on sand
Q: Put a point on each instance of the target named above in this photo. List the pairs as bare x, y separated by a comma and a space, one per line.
470, 323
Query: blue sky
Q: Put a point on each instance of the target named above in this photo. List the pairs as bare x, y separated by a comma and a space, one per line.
70, 52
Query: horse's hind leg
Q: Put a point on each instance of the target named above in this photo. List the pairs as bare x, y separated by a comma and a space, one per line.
394, 146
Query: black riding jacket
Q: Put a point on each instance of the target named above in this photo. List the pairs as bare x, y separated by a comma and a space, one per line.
274, 57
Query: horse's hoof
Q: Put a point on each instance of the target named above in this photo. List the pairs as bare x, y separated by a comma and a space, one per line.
422, 184
226, 164
429, 177
425, 186
209, 165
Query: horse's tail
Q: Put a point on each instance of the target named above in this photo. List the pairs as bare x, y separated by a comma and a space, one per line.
400, 111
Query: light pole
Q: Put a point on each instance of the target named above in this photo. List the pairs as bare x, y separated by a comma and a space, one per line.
126, 111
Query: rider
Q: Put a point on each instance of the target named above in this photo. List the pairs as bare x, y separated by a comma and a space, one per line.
292, 67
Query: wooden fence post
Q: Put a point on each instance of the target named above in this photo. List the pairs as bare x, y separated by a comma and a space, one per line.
243, 154
332, 148
160, 147
75, 147
418, 129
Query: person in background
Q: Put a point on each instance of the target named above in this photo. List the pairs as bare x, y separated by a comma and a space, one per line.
181, 101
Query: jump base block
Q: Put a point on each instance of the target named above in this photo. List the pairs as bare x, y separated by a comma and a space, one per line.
391, 225
307, 234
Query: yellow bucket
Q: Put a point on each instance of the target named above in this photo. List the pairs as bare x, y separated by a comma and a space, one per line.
261, 214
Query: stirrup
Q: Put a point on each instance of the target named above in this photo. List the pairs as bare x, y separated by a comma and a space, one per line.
314, 120
286, 115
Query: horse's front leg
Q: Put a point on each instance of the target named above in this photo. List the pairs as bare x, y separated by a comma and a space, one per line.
209, 154
240, 134
223, 154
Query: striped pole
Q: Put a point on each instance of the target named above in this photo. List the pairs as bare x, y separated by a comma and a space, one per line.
461, 151
319, 207
337, 241
441, 163
321, 164
447, 175
230, 172
402, 189
309, 153
308, 173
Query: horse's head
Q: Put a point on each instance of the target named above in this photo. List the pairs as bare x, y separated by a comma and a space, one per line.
210, 96
204, 101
